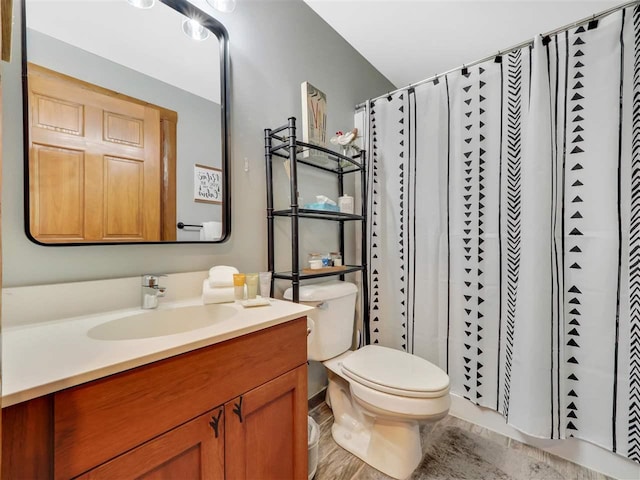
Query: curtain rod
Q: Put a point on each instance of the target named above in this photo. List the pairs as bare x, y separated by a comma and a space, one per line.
507, 50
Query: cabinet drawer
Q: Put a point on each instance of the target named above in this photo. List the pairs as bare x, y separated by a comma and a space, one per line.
95, 422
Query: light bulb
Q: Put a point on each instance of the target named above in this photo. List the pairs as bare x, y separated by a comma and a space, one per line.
194, 30
225, 6
142, 3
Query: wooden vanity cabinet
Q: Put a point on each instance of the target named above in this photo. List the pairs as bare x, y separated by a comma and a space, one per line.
235, 410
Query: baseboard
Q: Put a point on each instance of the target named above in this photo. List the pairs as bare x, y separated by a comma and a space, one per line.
317, 399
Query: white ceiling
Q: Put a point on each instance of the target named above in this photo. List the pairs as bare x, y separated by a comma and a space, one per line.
408, 41
150, 41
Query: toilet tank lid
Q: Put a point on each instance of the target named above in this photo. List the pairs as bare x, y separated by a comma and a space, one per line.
319, 292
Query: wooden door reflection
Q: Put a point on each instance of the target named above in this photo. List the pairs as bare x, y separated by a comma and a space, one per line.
99, 163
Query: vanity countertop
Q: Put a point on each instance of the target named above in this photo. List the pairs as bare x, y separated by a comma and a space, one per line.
43, 358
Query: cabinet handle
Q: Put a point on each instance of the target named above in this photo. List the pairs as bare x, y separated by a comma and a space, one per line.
237, 409
215, 422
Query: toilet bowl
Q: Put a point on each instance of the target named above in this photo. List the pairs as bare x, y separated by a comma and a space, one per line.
380, 397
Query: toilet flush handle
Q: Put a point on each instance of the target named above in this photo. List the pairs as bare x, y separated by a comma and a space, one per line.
310, 326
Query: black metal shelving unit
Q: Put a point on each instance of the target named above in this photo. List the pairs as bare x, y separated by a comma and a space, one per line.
282, 142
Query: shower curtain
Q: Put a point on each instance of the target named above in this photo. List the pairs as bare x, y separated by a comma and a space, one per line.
504, 231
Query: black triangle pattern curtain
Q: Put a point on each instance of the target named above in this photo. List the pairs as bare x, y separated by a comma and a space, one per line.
504, 231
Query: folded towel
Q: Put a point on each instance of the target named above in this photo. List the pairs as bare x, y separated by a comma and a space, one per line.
211, 231
221, 276
216, 295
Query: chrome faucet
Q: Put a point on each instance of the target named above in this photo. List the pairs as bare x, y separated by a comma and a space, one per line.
151, 290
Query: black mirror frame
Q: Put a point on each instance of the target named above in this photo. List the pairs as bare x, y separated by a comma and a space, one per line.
215, 27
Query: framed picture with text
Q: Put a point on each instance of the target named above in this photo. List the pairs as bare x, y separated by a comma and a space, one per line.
314, 116
207, 184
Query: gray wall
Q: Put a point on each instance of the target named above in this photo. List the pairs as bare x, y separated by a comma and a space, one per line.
275, 46
198, 118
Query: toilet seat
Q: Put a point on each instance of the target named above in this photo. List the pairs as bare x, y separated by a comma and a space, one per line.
394, 406
396, 373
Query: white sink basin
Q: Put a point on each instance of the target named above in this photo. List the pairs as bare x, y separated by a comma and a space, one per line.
158, 323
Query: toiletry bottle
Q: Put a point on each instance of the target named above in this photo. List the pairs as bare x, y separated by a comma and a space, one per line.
265, 284
252, 285
345, 203
238, 286
315, 261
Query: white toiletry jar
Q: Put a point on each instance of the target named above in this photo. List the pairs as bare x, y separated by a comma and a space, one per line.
346, 204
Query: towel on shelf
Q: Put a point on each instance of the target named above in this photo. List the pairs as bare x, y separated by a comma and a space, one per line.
211, 231
216, 295
221, 276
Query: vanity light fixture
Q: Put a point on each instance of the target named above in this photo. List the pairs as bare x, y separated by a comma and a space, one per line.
224, 6
142, 3
194, 30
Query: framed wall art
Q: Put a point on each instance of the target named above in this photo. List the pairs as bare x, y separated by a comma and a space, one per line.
314, 116
207, 184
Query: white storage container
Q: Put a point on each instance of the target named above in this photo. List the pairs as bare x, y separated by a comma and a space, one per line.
314, 436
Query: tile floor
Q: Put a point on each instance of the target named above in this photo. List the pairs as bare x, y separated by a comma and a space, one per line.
455, 449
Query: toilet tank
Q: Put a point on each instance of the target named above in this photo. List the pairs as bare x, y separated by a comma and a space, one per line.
332, 321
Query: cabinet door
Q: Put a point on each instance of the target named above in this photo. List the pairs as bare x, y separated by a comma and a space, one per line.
191, 451
266, 430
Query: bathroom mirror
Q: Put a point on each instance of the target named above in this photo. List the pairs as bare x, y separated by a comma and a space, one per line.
126, 122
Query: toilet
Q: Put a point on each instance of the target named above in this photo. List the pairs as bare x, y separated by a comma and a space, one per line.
379, 396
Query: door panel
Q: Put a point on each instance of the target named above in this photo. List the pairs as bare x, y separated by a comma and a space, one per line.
124, 130
58, 115
123, 198
58, 193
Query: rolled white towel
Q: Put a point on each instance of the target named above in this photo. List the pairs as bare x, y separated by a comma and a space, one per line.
221, 276
211, 231
216, 295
